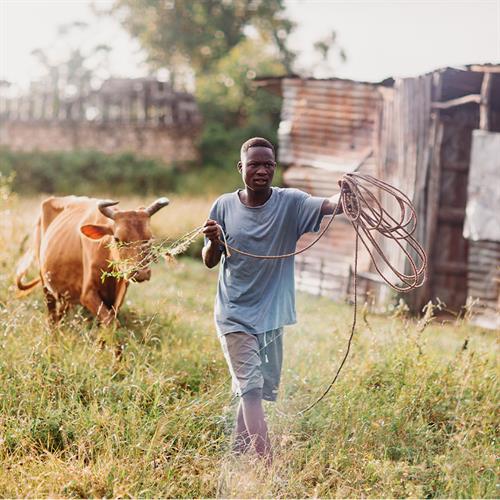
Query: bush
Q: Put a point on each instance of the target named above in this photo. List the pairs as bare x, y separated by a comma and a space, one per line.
86, 172
92, 173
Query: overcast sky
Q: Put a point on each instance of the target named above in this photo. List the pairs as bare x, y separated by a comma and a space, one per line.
381, 38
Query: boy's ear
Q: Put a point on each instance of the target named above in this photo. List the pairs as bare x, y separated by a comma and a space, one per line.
95, 232
239, 166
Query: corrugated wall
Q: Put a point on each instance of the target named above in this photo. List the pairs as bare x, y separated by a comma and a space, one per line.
328, 127
483, 279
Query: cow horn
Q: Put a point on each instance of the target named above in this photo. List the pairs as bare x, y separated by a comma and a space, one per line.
157, 205
104, 205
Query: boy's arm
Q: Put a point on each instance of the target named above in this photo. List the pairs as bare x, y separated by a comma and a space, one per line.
211, 252
330, 205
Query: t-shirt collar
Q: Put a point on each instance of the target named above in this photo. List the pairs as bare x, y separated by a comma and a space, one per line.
273, 190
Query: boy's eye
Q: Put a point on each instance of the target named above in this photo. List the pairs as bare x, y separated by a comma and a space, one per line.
267, 165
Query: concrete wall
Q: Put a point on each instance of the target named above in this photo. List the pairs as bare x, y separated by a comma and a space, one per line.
165, 143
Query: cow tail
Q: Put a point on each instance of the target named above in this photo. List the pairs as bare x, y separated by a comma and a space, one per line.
22, 269
25, 263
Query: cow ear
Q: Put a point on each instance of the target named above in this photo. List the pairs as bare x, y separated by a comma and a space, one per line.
95, 232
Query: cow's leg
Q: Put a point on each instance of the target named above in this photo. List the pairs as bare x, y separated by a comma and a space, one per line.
92, 301
51, 302
63, 305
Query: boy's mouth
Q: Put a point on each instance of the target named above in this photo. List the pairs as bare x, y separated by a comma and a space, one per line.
261, 181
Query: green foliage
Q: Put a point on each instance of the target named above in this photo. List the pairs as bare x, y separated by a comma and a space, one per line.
92, 173
86, 173
232, 108
199, 33
222, 178
227, 45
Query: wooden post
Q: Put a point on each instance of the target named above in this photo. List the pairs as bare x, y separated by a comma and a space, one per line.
146, 102
43, 109
105, 109
422, 295
484, 117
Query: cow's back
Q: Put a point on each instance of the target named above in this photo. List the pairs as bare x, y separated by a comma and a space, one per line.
60, 253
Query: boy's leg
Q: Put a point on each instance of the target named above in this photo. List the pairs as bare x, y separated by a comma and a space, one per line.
271, 348
255, 422
241, 351
242, 440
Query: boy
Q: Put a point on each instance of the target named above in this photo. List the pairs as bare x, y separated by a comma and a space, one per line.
256, 297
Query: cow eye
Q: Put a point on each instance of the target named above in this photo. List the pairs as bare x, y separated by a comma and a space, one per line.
117, 240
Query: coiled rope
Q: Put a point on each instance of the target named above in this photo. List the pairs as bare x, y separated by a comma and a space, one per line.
366, 214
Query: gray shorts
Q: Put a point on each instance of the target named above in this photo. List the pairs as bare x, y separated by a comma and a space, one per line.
254, 361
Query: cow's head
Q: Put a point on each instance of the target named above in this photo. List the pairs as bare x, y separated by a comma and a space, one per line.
131, 231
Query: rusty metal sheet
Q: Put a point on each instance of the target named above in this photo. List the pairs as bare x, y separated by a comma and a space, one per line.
327, 128
327, 123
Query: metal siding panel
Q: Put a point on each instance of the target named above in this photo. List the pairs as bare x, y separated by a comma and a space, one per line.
450, 246
327, 128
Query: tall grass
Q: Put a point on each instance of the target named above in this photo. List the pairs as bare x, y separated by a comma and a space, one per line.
413, 414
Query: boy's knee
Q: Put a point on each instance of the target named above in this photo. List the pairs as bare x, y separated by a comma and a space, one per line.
252, 394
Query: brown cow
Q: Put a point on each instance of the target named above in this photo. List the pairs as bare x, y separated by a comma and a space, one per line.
74, 239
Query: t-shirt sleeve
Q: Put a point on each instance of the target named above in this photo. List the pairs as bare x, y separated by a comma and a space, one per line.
309, 213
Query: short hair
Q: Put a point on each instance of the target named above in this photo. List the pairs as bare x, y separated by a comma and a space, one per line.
256, 142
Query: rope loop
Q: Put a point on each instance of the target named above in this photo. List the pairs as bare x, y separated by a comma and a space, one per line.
365, 212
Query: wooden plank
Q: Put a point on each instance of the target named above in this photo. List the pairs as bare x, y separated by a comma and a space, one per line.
485, 68
484, 108
451, 214
459, 101
452, 268
457, 167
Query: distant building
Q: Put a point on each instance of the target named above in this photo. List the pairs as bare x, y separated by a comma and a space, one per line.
140, 115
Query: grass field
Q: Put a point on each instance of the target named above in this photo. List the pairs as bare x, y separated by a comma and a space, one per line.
413, 414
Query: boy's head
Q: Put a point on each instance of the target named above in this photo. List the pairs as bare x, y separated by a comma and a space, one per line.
257, 163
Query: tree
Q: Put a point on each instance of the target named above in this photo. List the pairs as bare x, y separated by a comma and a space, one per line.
74, 72
233, 109
328, 48
226, 44
199, 33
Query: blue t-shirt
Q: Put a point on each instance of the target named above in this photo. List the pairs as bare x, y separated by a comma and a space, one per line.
258, 295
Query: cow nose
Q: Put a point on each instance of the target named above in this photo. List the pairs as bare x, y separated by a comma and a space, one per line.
143, 275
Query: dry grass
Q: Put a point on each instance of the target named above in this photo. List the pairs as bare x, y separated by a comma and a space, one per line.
413, 414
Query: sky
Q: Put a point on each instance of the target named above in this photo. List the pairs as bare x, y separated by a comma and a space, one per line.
381, 38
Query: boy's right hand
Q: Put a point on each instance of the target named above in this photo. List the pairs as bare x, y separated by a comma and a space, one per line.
211, 230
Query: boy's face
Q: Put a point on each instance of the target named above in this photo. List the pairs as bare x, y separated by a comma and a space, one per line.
257, 168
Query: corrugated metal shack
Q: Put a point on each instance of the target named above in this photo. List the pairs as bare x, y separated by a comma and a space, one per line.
415, 133
328, 127
426, 137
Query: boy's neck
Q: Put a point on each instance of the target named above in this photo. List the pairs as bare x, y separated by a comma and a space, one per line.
252, 198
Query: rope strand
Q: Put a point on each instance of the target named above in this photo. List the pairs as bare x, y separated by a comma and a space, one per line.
367, 215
